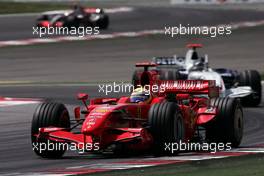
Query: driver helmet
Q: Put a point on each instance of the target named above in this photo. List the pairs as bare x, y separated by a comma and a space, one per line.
140, 95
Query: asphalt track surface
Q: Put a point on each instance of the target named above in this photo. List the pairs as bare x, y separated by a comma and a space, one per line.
104, 60
20, 27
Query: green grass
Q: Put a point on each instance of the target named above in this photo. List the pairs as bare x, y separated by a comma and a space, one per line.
235, 166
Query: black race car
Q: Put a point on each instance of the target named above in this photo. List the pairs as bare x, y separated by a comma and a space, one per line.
79, 16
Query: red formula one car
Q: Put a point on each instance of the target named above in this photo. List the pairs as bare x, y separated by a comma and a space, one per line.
176, 113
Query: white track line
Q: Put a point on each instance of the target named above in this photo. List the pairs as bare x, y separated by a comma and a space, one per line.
111, 36
5, 102
15, 103
119, 9
195, 156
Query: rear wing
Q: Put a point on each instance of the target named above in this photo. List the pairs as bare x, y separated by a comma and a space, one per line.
190, 87
194, 45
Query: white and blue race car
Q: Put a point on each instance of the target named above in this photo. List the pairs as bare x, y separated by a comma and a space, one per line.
245, 85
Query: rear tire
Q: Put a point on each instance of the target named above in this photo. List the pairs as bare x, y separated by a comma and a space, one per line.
228, 124
48, 114
251, 78
103, 23
166, 126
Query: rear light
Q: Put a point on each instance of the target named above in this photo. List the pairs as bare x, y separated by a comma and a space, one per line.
44, 24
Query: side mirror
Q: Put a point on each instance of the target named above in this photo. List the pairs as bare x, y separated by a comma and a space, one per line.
82, 96
77, 113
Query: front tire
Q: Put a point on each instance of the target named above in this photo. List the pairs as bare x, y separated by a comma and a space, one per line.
48, 114
166, 126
